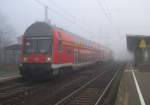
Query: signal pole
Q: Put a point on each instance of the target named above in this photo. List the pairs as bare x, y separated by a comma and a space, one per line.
45, 10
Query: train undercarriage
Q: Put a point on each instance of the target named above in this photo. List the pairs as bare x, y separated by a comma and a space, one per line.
36, 71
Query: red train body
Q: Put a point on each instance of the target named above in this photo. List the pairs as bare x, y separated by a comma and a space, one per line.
47, 50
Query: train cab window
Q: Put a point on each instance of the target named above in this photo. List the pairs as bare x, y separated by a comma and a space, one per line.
38, 45
59, 42
60, 45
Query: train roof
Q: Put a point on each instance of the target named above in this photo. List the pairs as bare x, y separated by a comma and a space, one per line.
42, 28
38, 29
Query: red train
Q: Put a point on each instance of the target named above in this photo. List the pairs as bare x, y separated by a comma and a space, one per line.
48, 50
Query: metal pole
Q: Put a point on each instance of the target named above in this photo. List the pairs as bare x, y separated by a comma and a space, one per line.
46, 14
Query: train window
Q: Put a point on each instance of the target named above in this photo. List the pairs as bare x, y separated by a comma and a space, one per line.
86, 58
59, 45
68, 51
38, 46
43, 45
59, 42
31, 46
81, 58
59, 35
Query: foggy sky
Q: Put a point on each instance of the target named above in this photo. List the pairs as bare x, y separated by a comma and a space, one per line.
85, 18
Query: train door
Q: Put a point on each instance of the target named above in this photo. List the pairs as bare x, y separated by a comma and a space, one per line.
75, 56
60, 48
68, 54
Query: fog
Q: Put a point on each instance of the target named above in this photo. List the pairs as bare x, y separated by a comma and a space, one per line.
104, 21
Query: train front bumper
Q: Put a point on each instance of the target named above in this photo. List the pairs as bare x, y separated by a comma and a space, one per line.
35, 70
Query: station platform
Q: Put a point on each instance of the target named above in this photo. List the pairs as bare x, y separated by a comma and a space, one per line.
8, 72
134, 87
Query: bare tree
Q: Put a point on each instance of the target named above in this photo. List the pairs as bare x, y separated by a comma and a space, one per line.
6, 34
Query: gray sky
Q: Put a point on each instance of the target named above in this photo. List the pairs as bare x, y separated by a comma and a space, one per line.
86, 18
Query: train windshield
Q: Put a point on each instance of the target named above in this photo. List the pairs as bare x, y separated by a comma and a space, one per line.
38, 45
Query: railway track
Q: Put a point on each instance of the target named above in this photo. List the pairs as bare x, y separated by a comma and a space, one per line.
13, 90
13, 87
93, 91
45, 93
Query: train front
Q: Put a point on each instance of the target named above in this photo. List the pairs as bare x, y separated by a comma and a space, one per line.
36, 55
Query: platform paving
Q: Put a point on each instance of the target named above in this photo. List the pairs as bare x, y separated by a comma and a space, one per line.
128, 94
143, 79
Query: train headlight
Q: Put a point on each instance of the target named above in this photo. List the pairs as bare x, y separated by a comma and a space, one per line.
24, 59
48, 59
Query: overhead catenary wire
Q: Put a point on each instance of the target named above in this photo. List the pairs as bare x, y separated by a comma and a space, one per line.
107, 14
66, 12
63, 16
110, 14
51, 9
104, 11
73, 17
61, 9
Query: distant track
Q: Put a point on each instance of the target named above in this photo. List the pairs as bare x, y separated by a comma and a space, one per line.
92, 92
8, 78
12, 87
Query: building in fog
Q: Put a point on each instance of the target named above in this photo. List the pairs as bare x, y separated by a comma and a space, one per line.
139, 45
10, 54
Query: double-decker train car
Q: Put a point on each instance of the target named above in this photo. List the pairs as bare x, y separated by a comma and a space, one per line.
48, 50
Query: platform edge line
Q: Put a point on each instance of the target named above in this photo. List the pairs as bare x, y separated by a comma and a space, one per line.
138, 89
